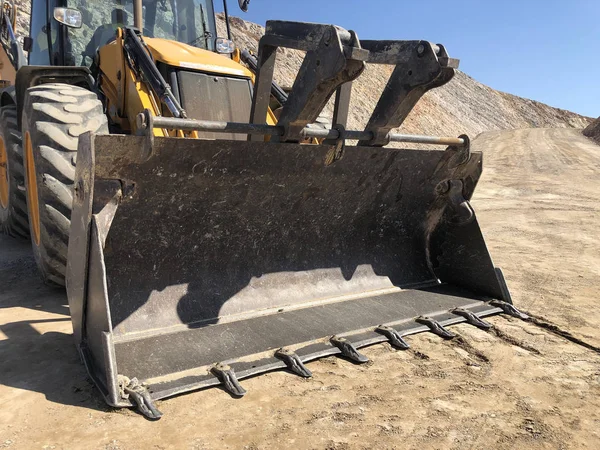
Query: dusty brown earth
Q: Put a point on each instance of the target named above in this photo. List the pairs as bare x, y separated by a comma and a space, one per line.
520, 386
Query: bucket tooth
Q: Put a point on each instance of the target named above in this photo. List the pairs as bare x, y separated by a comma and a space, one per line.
348, 349
393, 336
140, 395
229, 379
472, 318
435, 327
293, 362
509, 309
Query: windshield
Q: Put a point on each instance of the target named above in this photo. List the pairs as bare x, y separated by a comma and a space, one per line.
189, 21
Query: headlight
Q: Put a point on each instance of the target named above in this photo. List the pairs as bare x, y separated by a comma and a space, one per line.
224, 46
68, 16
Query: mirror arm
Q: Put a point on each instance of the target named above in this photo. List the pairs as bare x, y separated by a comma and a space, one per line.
227, 19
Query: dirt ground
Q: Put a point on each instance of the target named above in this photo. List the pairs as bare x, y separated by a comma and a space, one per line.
519, 386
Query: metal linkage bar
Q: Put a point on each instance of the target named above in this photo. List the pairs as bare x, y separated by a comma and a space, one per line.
276, 90
420, 66
333, 58
172, 123
391, 137
254, 129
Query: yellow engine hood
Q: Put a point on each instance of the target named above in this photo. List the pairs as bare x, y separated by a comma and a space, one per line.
186, 56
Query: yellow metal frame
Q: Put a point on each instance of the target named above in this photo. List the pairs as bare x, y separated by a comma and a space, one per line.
32, 191
127, 96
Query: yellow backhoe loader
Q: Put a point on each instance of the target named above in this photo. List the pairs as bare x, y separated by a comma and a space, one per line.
201, 240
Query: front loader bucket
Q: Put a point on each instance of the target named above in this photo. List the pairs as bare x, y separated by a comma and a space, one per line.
193, 262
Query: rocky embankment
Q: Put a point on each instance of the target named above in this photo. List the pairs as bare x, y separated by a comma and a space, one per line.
593, 130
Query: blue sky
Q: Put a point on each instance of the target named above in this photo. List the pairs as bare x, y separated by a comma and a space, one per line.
542, 50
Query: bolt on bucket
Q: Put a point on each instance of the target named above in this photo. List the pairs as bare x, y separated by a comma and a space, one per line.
194, 263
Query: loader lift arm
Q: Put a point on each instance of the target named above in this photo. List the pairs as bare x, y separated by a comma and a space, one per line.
277, 91
138, 57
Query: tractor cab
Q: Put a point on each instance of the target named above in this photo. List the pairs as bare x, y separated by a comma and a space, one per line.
70, 32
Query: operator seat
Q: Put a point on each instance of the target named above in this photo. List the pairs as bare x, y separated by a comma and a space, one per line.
106, 33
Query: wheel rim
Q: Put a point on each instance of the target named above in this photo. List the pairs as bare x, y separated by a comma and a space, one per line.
3, 175
32, 191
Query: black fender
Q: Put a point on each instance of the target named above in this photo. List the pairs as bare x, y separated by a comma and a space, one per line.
8, 96
29, 76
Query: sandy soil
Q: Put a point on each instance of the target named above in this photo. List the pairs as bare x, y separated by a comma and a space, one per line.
520, 386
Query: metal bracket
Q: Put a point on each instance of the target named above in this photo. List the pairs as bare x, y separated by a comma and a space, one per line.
462, 209
420, 66
453, 158
348, 349
139, 394
293, 362
435, 327
336, 147
393, 336
509, 309
341, 105
145, 127
252, 63
333, 58
230, 382
471, 318
459, 154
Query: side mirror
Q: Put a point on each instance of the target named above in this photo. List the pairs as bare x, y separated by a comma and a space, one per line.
244, 5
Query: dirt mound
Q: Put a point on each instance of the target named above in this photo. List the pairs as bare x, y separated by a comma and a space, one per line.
593, 130
462, 106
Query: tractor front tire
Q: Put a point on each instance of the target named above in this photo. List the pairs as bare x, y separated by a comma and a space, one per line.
54, 116
13, 204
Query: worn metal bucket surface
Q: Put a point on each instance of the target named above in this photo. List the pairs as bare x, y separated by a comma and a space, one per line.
195, 252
